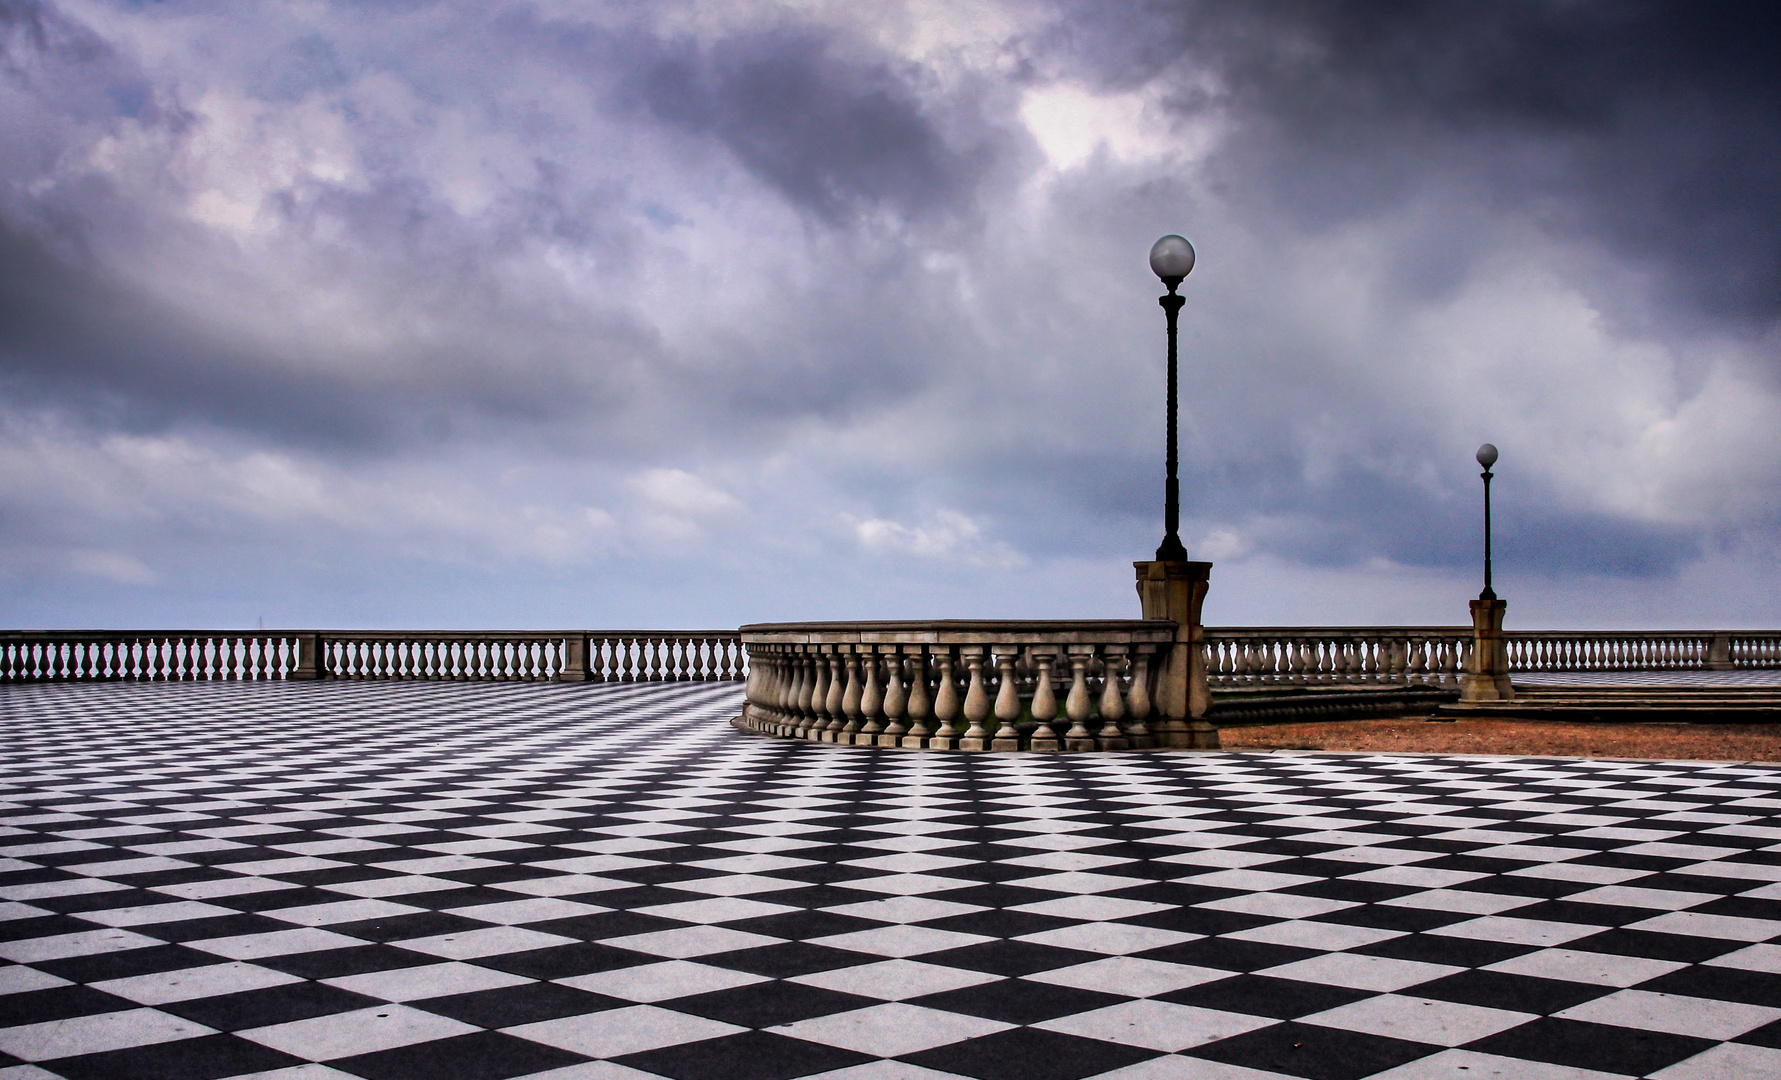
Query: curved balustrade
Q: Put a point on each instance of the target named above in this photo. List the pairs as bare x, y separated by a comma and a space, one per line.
959, 685
625, 656
1257, 657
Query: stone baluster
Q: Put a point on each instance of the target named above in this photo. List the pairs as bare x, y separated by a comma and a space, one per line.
818, 719
1008, 706
800, 691
920, 706
947, 707
1076, 703
835, 706
850, 699
1138, 735
1044, 703
1111, 736
896, 699
977, 704
871, 699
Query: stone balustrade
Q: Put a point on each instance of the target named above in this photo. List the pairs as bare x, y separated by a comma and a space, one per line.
626, 656
961, 685
1261, 656
1652, 650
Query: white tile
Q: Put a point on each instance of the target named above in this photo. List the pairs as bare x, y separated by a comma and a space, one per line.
232, 886
39, 890
27, 1072
1066, 860
1727, 1061
1600, 875
661, 982
617, 1032
13, 910
1700, 924
186, 984
484, 941
1633, 896
720, 909
1315, 935
83, 943
1471, 1065
1515, 931
563, 885
905, 909
1750, 958
275, 943
1078, 882
1170, 1067
394, 885
21, 979
890, 1030
1422, 877
1131, 976
96, 1034
1442, 1023
882, 1069
1461, 900
535, 910
895, 980
1093, 908
686, 941
732, 885
1279, 905
340, 911
299, 1072
909, 862
1248, 880
427, 981
908, 884
1119, 939
1596, 969
1675, 1013
1156, 1025
362, 1031
900, 939
1361, 972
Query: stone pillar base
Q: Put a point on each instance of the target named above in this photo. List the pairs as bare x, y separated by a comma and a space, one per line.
1487, 675
1176, 590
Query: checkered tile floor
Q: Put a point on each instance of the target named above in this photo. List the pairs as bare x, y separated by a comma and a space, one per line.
397, 881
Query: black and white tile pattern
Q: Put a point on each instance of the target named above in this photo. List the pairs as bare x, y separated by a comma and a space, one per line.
449, 882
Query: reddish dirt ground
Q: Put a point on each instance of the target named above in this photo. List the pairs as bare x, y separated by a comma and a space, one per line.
1691, 742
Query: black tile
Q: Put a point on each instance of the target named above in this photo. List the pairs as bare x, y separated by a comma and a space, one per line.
1518, 993
269, 1005
769, 1057
204, 1058
219, 926
510, 1006
118, 965
607, 924
1262, 995
481, 1055
789, 959
1444, 949
1318, 1053
1009, 958
1592, 1046
59, 1003
564, 961
763, 1005
44, 926
1025, 1053
1228, 954
1720, 984
1654, 946
999, 923
803, 925
1018, 1001
352, 960
420, 924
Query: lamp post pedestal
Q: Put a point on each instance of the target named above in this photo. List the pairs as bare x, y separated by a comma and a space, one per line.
1487, 673
1175, 589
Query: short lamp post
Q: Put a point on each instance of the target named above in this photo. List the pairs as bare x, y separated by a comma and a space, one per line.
1487, 671
1172, 259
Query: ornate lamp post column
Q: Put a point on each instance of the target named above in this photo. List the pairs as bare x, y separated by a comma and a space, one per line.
1487, 675
1171, 587
1172, 259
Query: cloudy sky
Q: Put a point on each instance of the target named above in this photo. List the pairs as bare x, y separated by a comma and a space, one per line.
510, 314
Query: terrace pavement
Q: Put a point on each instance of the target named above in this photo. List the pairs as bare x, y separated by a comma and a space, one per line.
477, 882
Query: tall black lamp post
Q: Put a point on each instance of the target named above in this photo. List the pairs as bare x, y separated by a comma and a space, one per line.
1487, 456
1172, 259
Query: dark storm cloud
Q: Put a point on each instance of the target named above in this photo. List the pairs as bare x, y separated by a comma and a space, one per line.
1652, 126
836, 136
